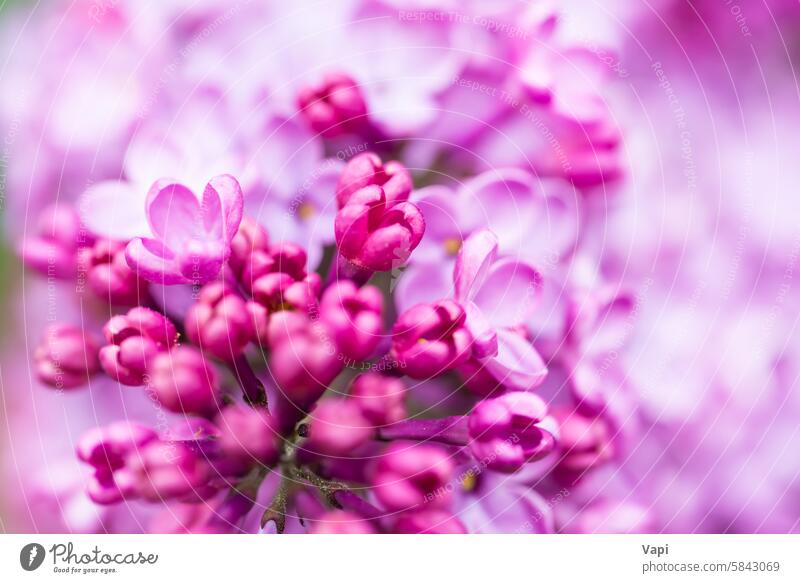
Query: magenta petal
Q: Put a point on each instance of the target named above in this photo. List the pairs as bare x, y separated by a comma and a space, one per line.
506, 200
223, 204
517, 363
484, 337
422, 284
557, 220
173, 212
472, 265
510, 292
151, 260
114, 209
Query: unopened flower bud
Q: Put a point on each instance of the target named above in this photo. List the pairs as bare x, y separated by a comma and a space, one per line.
504, 432
248, 436
407, 476
66, 358
185, 381
380, 398
134, 340
353, 317
108, 275
375, 234
430, 339
367, 169
333, 106
162, 470
219, 321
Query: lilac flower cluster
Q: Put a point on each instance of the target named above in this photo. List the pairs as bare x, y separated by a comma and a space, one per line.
360, 270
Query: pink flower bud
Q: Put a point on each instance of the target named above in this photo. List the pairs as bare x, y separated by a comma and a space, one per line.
280, 291
430, 339
367, 170
477, 378
407, 476
428, 521
303, 365
275, 297
161, 470
248, 436
380, 398
353, 317
220, 322
504, 433
108, 275
375, 234
185, 381
52, 251
134, 340
584, 442
251, 237
337, 428
66, 358
333, 106
283, 257
341, 522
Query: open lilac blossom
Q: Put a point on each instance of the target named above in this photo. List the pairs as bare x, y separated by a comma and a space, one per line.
192, 239
507, 201
499, 294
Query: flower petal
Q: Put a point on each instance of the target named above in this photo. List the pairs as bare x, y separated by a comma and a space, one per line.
504, 201
510, 292
151, 260
223, 205
517, 364
173, 212
114, 209
421, 283
484, 343
472, 265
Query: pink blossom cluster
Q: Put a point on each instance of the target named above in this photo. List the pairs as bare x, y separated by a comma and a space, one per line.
375, 268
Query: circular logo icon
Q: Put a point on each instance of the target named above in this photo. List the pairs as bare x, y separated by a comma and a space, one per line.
31, 556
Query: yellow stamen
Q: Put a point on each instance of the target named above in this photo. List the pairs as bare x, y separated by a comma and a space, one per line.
306, 210
469, 482
452, 245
